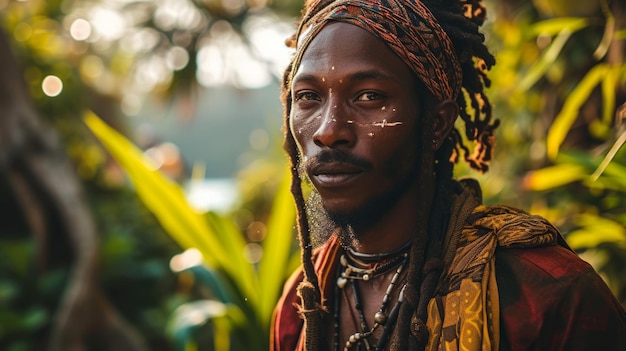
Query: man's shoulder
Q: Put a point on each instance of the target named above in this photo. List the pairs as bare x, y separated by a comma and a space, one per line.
547, 278
551, 298
551, 262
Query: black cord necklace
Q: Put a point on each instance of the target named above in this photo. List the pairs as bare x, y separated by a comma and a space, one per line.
357, 266
375, 257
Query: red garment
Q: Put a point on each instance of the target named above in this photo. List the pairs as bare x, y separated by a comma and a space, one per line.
550, 299
287, 325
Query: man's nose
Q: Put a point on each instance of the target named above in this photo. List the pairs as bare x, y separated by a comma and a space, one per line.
334, 128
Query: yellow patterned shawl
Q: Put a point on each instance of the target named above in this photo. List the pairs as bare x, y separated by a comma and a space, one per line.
464, 314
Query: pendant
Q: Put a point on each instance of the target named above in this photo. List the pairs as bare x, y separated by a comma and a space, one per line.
380, 318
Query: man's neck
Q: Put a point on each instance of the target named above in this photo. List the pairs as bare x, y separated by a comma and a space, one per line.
394, 228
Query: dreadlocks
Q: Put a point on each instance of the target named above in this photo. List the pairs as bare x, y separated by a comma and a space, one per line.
439, 39
476, 60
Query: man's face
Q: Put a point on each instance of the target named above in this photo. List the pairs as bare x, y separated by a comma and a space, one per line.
354, 117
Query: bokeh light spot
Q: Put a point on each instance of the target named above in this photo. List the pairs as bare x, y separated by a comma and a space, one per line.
190, 258
177, 58
109, 24
253, 253
256, 231
52, 86
80, 29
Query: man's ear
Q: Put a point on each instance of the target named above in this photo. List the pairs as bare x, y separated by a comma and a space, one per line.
445, 113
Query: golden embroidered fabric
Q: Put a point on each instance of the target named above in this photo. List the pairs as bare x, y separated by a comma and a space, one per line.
464, 314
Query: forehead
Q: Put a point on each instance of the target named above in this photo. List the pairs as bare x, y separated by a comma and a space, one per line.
345, 48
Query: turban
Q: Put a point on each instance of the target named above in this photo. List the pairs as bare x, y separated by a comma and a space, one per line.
408, 28
411, 31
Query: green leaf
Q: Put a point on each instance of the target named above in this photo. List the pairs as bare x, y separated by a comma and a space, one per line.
274, 267
215, 282
35, 318
564, 120
557, 25
607, 37
606, 162
190, 316
167, 201
536, 71
595, 231
562, 28
616, 173
609, 87
234, 244
8, 291
554, 176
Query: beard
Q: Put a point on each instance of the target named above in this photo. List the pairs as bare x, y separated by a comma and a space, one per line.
324, 223
321, 224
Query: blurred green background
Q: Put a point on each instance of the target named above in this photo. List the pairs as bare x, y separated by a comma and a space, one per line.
143, 199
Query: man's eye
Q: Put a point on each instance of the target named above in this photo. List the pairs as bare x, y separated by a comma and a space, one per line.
306, 96
369, 96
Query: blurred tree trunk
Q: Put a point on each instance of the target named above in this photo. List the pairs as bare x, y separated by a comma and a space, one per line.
51, 199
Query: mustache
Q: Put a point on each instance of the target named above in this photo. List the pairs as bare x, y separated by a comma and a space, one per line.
336, 156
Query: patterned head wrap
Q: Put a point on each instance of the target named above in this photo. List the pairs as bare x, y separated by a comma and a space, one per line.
407, 27
440, 42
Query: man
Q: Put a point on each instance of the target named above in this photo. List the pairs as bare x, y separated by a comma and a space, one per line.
412, 260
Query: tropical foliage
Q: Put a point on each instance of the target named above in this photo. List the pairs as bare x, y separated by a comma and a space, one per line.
182, 279
567, 90
243, 296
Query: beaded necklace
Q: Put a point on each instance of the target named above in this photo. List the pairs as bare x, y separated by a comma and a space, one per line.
357, 266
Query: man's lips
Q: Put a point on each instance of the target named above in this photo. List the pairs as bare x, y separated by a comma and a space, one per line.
334, 168
334, 173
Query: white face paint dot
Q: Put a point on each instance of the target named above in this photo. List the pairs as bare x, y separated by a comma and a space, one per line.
383, 108
371, 134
